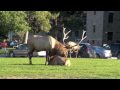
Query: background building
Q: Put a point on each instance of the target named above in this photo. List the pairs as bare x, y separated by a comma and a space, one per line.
103, 26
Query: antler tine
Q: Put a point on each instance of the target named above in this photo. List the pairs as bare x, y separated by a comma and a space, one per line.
83, 37
65, 34
64, 30
68, 32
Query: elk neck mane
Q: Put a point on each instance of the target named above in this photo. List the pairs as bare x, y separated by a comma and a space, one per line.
59, 45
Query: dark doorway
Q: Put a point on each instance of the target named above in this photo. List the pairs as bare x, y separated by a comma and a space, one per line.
110, 18
110, 36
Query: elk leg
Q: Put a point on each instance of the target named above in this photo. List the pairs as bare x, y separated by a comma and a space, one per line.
70, 53
30, 58
30, 54
47, 58
76, 54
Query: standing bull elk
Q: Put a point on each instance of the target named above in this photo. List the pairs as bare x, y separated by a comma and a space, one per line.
46, 43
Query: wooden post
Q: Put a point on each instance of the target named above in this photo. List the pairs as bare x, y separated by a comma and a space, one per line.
26, 37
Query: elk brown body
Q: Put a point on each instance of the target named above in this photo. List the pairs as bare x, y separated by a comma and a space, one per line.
58, 60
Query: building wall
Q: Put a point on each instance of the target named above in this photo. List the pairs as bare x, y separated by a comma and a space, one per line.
100, 20
112, 27
97, 20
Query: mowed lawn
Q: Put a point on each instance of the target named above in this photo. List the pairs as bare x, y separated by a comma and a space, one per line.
81, 68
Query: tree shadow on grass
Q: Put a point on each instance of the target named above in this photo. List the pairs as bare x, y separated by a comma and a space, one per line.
28, 64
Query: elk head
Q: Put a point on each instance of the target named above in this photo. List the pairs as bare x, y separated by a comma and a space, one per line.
76, 46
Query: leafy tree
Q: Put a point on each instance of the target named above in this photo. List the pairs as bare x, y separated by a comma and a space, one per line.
14, 21
39, 21
72, 19
54, 23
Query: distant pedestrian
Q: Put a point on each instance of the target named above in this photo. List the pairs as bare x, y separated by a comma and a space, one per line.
4, 46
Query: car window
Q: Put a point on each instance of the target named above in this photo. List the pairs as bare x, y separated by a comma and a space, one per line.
101, 48
23, 47
90, 46
106, 46
18, 47
98, 48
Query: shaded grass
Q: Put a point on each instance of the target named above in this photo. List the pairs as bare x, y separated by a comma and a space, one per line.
81, 68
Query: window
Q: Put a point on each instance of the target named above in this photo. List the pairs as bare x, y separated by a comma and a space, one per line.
110, 17
94, 28
109, 36
93, 41
76, 33
94, 12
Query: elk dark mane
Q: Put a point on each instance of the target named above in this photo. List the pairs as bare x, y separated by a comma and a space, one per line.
60, 50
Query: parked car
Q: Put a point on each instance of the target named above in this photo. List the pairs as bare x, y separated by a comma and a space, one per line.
115, 49
102, 52
22, 50
86, 51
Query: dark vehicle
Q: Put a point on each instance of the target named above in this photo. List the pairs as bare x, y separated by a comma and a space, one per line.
115, 49
22, 50
86, 51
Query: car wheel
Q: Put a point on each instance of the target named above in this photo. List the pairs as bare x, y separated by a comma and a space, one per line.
12, 54
97, 56
118, 56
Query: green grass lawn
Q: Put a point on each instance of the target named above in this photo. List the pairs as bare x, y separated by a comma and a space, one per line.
82, 68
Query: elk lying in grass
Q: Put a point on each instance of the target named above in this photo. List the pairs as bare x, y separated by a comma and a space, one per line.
58, 60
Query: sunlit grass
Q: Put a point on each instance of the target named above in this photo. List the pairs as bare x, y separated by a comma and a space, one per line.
81, 68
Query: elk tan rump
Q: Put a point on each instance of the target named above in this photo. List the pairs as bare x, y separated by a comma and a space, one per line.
41, 43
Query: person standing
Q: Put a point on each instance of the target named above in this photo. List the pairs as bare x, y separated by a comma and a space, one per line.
4, 47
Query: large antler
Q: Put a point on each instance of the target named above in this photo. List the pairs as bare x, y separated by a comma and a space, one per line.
65, 35
83, 37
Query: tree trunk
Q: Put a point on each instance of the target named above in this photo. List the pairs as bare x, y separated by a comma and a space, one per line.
56, 31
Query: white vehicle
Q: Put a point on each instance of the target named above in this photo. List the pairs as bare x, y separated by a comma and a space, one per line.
42, 53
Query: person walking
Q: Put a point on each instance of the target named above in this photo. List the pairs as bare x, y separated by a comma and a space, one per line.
4, 46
